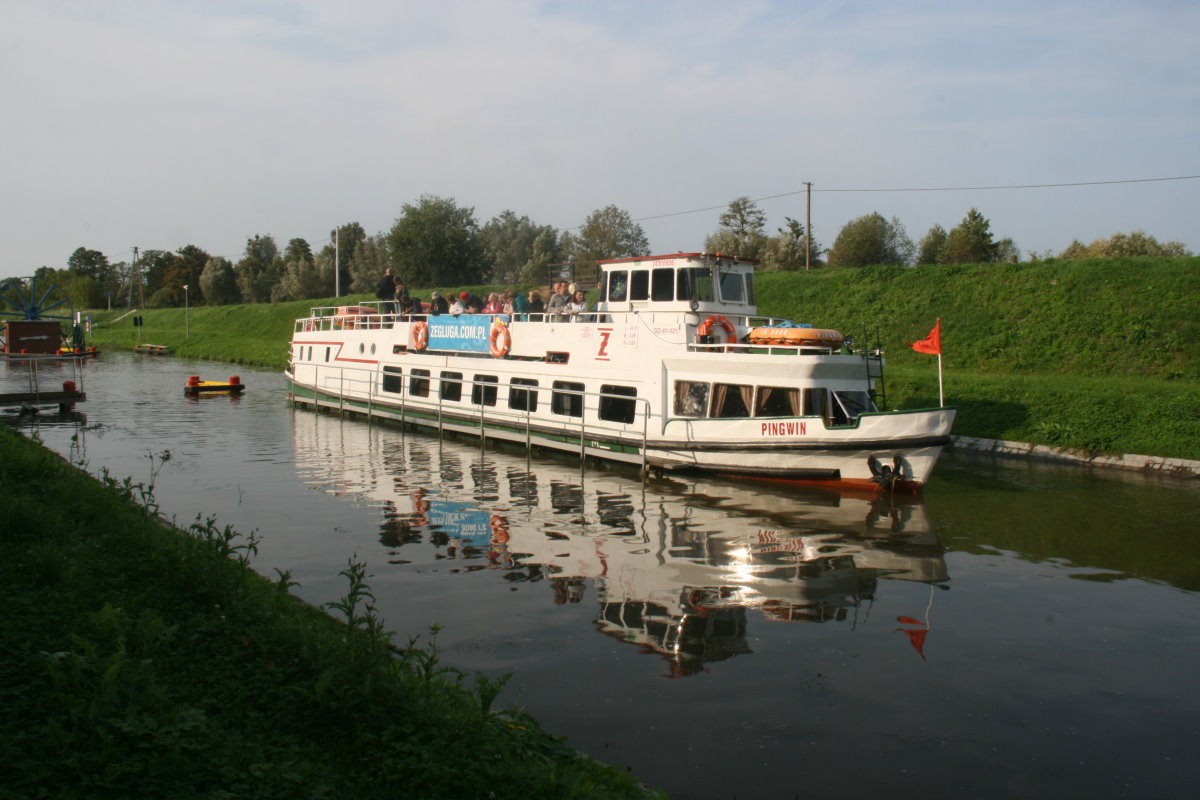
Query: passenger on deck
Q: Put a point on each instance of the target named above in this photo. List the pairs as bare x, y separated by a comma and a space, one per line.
457, 307
534, 307
438, 305
577, 307
493, 304
557, 304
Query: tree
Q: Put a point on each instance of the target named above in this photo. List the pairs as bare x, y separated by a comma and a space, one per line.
519, 250
609, 232
369, 261
931, 245
871, 240
787, 250
436, 243
258, 271
88, 264
343, 245
741, 230
218, 283
1074, 251
970, 242
300, 280
1136, 243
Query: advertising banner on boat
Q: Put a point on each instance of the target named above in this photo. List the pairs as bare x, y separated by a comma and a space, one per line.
461, 521
466, 333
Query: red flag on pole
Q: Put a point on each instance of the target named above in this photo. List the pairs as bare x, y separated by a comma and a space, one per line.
931, 344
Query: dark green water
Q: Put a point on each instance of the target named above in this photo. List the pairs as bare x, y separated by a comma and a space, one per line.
1023, 630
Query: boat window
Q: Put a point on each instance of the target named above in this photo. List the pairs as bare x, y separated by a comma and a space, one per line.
618, 409
483, 392
639, 284
750, 297
522, 399
853, 403
731, 400
815, 401
618, 283
418, 383
662, 284
694, 283
451, 386
567, 399
691, 399
393, 380
777, 401
732, 288
327, 354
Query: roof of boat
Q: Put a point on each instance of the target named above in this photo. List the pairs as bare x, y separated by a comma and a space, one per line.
677, 255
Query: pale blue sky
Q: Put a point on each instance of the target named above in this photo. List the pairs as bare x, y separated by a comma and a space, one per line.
166, 124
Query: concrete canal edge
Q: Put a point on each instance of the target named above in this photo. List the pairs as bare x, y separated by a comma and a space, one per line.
1175, 467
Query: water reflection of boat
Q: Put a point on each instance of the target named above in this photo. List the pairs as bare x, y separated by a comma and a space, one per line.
676, 566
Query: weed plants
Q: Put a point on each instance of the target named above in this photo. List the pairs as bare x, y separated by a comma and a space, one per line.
141, 660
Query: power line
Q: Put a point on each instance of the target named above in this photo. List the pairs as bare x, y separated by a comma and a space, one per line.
928, 189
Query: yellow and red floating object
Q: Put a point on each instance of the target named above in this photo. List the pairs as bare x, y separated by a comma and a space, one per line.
196, 386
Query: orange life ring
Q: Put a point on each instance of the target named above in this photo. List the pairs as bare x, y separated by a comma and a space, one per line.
717, 319
500, 342
419, 337
308, 325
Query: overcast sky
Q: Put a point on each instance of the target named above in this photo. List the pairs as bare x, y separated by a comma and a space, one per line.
163, 124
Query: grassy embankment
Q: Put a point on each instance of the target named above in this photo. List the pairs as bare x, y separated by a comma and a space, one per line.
1095, 355
141, 660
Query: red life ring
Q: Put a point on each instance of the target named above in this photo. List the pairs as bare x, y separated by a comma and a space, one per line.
717, 319
420, 336
500, 342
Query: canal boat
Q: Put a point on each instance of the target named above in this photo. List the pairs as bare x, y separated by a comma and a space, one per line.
673, 368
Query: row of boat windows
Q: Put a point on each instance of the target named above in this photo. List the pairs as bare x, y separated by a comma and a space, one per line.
696, 399
704, 399
666, 283
617, 403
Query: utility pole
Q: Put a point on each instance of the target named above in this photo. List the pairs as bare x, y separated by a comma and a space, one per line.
337, 266
808, 225
132, 275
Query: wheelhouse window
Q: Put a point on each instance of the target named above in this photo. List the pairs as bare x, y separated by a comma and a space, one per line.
815, 402
618, 285
451, 386
393, 380
567, 399
520, 398
484, 389
619, 408
694, 283
662, 284
733, 289
691, 399
418, 383
777, 401
731, 400
639, 284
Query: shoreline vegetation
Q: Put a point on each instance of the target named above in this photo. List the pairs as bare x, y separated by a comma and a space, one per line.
147, 659
1093, 355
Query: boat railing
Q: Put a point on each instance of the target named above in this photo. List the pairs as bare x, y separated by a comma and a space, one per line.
365, 384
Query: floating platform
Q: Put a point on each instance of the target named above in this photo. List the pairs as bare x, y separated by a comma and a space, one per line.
33, 402
196, 386
79, 352
153, 349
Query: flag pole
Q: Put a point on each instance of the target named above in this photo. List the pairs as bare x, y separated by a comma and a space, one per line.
941, 389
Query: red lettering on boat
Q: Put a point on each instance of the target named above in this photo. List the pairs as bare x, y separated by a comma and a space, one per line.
784, 429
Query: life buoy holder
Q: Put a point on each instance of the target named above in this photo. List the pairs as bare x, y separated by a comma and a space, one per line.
500, 342
705, 328
419, 338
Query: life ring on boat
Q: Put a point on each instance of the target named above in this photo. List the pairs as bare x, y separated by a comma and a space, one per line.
705, 328
796, 337
500, 342
308, 325
419, 338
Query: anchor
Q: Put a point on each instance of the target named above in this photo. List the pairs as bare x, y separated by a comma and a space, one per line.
887, 477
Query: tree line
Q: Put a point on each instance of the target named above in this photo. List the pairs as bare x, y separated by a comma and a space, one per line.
436, 242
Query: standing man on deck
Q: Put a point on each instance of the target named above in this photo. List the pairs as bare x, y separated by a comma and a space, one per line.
387, 292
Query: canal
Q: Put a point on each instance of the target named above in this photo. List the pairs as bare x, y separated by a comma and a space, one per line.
1022, 629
